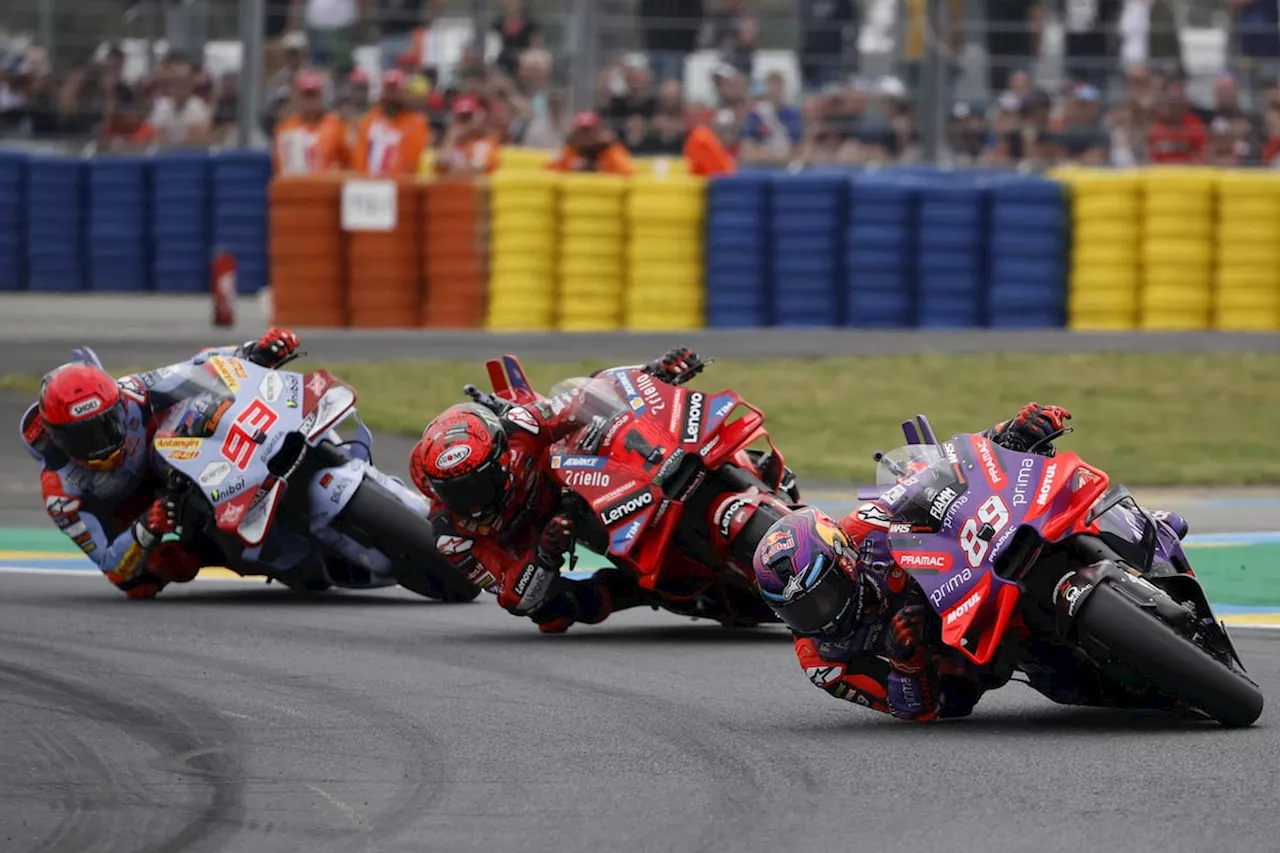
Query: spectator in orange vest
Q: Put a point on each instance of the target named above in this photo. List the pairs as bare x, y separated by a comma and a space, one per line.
592, 148
353, 103
310, 140
467, 149
706, 154
391, 138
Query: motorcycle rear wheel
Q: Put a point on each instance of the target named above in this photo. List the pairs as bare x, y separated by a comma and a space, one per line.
1170, 662
376, 518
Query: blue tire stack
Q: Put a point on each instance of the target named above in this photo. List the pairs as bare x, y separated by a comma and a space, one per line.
180, 206
1028, 254
240, 181
737, 276
951, 238
880, 260
120, 224
809, 212
13, 213
56, 189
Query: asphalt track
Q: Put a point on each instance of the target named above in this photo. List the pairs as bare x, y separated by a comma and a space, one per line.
229, 716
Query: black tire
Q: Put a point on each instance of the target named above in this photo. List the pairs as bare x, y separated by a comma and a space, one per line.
1173, 664
377, 518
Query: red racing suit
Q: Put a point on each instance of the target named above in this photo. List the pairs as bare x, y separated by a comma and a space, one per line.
501, 556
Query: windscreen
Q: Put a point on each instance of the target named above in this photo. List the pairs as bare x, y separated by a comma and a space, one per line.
912, 477
201, 398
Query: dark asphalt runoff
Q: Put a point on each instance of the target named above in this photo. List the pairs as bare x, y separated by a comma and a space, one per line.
242, 718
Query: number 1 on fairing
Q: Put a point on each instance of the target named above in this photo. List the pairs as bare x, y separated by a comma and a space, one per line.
992, 512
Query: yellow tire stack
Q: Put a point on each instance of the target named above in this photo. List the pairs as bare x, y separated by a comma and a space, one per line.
666, 216
524, 159
1106, 211
522, 262
592, 252
1178, 247
1247, 275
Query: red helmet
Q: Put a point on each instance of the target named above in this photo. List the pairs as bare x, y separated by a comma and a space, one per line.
84, 414
463, 458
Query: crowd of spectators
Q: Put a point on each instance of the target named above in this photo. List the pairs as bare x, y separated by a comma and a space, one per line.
1122, 100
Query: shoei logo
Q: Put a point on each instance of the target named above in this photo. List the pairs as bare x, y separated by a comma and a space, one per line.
86, 406
453, 456
966, 607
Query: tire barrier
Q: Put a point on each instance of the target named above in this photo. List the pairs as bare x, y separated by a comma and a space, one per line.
530, 250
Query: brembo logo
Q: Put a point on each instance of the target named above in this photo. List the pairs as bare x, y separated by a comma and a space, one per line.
994, 476
1046, 484
1024, 482
969, 604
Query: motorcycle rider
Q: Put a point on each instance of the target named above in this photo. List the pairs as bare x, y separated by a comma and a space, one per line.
498, 513
92, 435
862, 632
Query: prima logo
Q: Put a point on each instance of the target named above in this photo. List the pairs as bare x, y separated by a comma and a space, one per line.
1023, 482
949, 586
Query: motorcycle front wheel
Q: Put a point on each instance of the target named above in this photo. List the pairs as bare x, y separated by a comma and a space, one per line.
1172, 664
376, 518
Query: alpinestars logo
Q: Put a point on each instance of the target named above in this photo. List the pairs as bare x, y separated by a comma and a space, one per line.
524, 419
453, 544
872, 514
822, 676
628, 506
693, 418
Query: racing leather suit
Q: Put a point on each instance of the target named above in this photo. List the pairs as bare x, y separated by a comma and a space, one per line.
99, 510
861, 668
502, 555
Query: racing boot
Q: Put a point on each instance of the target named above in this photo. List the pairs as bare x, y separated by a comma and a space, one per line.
589, 602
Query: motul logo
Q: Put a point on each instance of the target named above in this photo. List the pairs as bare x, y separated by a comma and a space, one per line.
1046, 485
940, 562
988, 457
969, 604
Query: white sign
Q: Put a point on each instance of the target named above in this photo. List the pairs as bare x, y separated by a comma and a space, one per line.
368, 205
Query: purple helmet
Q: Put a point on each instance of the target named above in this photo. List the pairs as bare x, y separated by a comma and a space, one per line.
807, 572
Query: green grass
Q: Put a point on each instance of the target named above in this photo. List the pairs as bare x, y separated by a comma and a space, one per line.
1145, 419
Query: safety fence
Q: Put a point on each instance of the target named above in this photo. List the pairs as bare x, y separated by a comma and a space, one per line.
527, 249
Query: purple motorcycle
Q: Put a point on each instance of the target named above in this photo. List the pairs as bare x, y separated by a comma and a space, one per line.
1039, 565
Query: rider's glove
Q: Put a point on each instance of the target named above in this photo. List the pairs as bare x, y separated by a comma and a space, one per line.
526, 590
160, 519
675, 364
1033, 424
907, 638
272, 348
554, 541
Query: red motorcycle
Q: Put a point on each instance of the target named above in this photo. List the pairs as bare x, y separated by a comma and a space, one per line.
665, 485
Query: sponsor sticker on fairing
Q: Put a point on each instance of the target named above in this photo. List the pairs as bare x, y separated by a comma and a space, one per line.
724, 519
214, 473
967, 606
938, 562
949, 586
1046, 484
626, 507
272, 387
990, 467
692, 431
1022, 482
650, 392
942, 502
